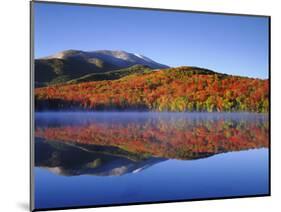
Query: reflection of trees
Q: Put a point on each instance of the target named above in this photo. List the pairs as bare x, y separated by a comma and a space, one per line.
182, 139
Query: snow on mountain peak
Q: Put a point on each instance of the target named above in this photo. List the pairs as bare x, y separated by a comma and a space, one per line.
117, 57
143, 57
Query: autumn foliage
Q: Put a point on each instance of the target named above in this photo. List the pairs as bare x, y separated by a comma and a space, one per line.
175, 89
182, 140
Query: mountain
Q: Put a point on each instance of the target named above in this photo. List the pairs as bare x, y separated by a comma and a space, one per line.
70, 64
120, 59
175, 89
112, 75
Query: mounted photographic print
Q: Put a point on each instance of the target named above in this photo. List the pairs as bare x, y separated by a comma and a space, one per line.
137, 106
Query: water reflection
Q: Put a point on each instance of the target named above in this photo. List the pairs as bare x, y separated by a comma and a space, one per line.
107, 144
69, 160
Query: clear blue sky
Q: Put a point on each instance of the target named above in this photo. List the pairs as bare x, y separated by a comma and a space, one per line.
230, 44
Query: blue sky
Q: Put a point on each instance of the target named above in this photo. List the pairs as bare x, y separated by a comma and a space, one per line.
229, 44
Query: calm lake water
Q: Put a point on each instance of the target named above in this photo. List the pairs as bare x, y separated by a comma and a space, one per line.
97, 158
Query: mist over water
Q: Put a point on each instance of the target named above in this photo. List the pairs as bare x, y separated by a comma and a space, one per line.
94, 158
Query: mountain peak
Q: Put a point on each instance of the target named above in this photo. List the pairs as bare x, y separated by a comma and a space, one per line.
120, 58
64, 54
72, 64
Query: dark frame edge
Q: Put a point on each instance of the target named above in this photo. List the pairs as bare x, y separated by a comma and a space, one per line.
146, 8
269, 112
31, 102
150, 203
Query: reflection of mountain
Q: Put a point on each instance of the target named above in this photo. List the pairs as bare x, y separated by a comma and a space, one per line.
69, 160
179, 138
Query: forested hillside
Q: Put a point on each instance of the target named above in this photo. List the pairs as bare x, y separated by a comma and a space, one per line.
175, 89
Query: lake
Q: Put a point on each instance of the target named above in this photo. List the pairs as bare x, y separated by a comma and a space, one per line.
97, 158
